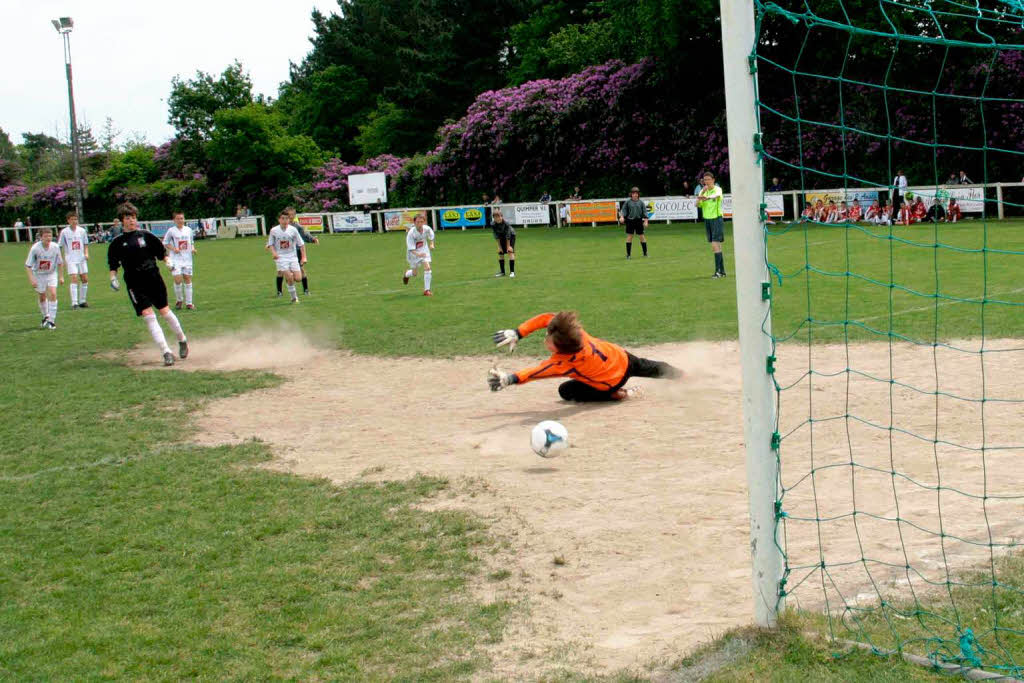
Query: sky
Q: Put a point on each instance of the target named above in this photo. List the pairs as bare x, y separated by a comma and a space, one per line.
125, 52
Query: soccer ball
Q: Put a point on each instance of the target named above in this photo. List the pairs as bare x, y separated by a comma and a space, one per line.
549, 438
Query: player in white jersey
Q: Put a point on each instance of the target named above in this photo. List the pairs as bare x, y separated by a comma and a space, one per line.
418, 243
181, 246
282, 243
43, 268
74, 240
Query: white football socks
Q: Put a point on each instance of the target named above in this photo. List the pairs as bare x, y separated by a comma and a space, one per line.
74, 293
82, 289
409, 273
172, 322
177, 291
291, 291
42, 307
426, 278
51, 310
188, 294
158, 334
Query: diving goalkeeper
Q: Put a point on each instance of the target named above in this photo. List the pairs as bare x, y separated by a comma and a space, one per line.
600, 368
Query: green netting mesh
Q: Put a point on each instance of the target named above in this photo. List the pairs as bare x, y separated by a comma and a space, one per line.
899, 349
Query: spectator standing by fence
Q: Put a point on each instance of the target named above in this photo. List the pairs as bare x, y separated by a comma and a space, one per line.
899, 188
962, 179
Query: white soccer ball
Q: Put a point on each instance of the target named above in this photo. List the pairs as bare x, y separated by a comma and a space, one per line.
549, 438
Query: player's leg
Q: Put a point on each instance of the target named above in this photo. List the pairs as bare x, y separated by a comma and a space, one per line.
428, 274
305, 279
501, 257
644, 367
179, 288
83, 284
280, 281
172, 322
41, 301
575, 390
51, 303
511, 251
292, 275
629, 240
717, 232
73, 284
640, 230
186, 276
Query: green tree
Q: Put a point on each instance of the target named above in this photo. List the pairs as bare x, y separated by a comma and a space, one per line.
193, 104
43, 156
7, 149
109, 136
429, 59
328, 105
250, 149
134, 167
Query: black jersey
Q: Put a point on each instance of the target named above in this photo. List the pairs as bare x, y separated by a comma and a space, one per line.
137, 252
502, 230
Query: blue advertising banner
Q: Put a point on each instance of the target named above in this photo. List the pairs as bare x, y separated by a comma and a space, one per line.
463, 217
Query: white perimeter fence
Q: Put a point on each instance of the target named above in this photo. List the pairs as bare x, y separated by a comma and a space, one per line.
983, 200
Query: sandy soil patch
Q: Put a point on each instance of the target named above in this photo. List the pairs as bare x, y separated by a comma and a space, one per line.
632, 547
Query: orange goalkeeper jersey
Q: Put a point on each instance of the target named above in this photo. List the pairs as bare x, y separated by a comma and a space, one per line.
599, 363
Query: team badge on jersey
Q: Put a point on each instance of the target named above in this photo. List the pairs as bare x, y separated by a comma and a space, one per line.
142, 241
285, 244
76, 245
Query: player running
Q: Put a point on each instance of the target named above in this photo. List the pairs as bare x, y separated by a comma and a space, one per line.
137, 251
418, 243
283, 242
600, 368
307, 238
181, 245
74, 240
43, 268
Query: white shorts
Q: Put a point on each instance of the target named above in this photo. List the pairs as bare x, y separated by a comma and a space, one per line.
415, 261
180, 269
44, 280
80, 268
287, 263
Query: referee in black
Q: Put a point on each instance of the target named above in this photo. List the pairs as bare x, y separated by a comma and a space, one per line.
634, 214
137, 251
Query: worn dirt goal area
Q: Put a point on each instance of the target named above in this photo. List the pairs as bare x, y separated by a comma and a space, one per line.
632, 547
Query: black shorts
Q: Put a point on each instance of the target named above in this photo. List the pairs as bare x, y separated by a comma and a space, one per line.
506, 243
715, 230
575, 390
634, 226
146, 290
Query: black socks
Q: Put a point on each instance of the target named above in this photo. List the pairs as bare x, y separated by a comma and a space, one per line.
719, 263
629, 249
643, 245
280, 280
501, 265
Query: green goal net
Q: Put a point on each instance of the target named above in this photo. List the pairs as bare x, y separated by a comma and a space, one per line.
898, 345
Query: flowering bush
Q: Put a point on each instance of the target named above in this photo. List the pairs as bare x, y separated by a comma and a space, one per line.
57, 196
9, 192
329, 190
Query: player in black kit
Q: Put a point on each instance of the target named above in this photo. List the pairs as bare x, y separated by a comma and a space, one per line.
137, 252
505, 234
634, 214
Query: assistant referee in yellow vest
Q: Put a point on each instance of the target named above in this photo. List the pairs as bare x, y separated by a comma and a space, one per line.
710, 202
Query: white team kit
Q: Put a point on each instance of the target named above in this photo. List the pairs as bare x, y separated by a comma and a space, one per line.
417, 244
184, 242
285, 241
44, 263
74, 242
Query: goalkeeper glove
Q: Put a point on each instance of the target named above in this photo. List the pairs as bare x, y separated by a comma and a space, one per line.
114, 284
498, 380
507, 337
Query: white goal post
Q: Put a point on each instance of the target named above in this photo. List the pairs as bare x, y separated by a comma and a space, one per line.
753, 306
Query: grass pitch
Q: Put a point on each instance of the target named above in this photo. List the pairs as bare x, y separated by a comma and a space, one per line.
125, 552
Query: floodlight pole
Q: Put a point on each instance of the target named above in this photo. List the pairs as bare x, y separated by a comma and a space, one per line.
753, 306
63, 27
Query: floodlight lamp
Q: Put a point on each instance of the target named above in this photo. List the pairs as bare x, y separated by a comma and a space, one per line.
67, 22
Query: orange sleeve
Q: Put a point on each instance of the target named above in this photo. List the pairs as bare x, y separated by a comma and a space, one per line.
556, 366
535, 323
